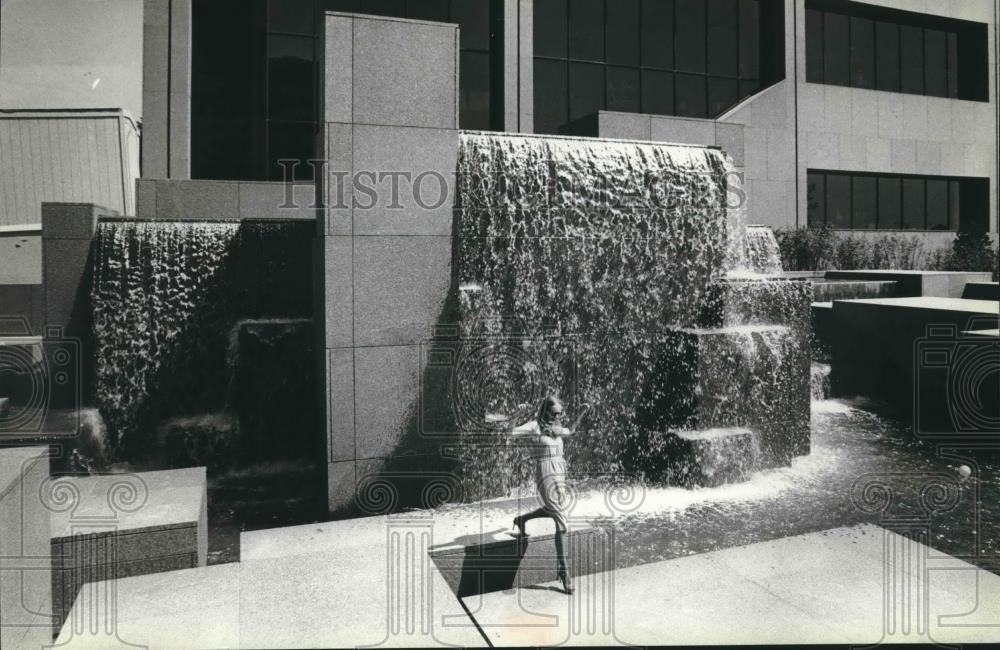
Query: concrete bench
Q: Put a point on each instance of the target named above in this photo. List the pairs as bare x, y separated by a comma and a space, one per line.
123, 525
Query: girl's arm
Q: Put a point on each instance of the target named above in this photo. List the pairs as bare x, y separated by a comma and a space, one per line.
563, 431
526, 429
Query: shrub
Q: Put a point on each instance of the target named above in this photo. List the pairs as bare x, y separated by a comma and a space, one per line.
972, 251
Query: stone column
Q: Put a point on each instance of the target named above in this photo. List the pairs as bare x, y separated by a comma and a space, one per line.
166, 89
390, 120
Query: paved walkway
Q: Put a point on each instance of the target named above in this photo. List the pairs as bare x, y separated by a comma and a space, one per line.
370, 582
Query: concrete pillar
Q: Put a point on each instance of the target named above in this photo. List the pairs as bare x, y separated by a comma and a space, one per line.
166, 89
68, 231
383, 271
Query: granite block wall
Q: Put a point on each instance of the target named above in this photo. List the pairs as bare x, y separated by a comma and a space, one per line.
384, 244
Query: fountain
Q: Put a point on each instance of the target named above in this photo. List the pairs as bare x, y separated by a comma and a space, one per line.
198, 326
615, 273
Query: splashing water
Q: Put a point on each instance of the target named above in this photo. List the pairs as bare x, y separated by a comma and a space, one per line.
153, 300
573, 255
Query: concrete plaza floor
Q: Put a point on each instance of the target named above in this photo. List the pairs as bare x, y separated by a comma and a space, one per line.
359, 582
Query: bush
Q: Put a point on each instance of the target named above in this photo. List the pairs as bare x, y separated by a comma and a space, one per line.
972, 251
823, 249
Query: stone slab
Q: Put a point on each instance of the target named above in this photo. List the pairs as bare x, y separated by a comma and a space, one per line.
405, 72
115, 526
523, 561
25, 568
879, 350
824, 587
72, 220
982, 291
753, 376
940, 284
324, 598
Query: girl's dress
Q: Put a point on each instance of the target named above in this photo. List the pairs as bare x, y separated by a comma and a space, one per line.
550, 471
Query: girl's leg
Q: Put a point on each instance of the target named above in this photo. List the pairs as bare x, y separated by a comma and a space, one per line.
563, 571
521, 520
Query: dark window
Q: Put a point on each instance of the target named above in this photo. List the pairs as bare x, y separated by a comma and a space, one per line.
291, 16
749, 37
814, 46
887, 49
914, 205
816, 199
955, 203
866, 46
838, 201
475, 90
586, 89
694, 58
658, 34
436, 10
722, 94
623, 89
890, 204
723, 37
911, 50
657, 92
291, 89
864, 203
550, 23
936, 62
384, 7
689, 39
291, 141
836, 49
937, 205
551, 106
952, 64
586, 30
254, 95
691, 95
622, 27
862, 53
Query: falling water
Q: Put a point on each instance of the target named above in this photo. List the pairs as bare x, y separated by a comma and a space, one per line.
156, 309
573, 255
763, 254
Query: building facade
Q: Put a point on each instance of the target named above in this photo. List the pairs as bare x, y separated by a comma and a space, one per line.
876, 116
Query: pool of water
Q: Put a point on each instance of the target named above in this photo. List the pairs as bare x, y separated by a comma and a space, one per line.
864, 467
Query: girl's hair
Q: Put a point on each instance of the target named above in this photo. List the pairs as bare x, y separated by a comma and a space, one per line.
546, 407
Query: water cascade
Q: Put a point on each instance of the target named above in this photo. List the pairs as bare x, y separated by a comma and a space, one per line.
169, 299
587, 267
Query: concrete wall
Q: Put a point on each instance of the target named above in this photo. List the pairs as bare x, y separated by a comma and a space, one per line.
83, 156
384, 272
203, 199
793, 126
25, 556
867, 130
166, 89
678, 130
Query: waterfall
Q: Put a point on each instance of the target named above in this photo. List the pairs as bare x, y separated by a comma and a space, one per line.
157, 309
572, 253
763, 255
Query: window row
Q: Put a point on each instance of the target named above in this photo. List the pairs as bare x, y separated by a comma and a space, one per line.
855, 201
891, 51
693, 58
255, 77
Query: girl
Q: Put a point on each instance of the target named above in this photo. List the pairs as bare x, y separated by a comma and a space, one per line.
544, 438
